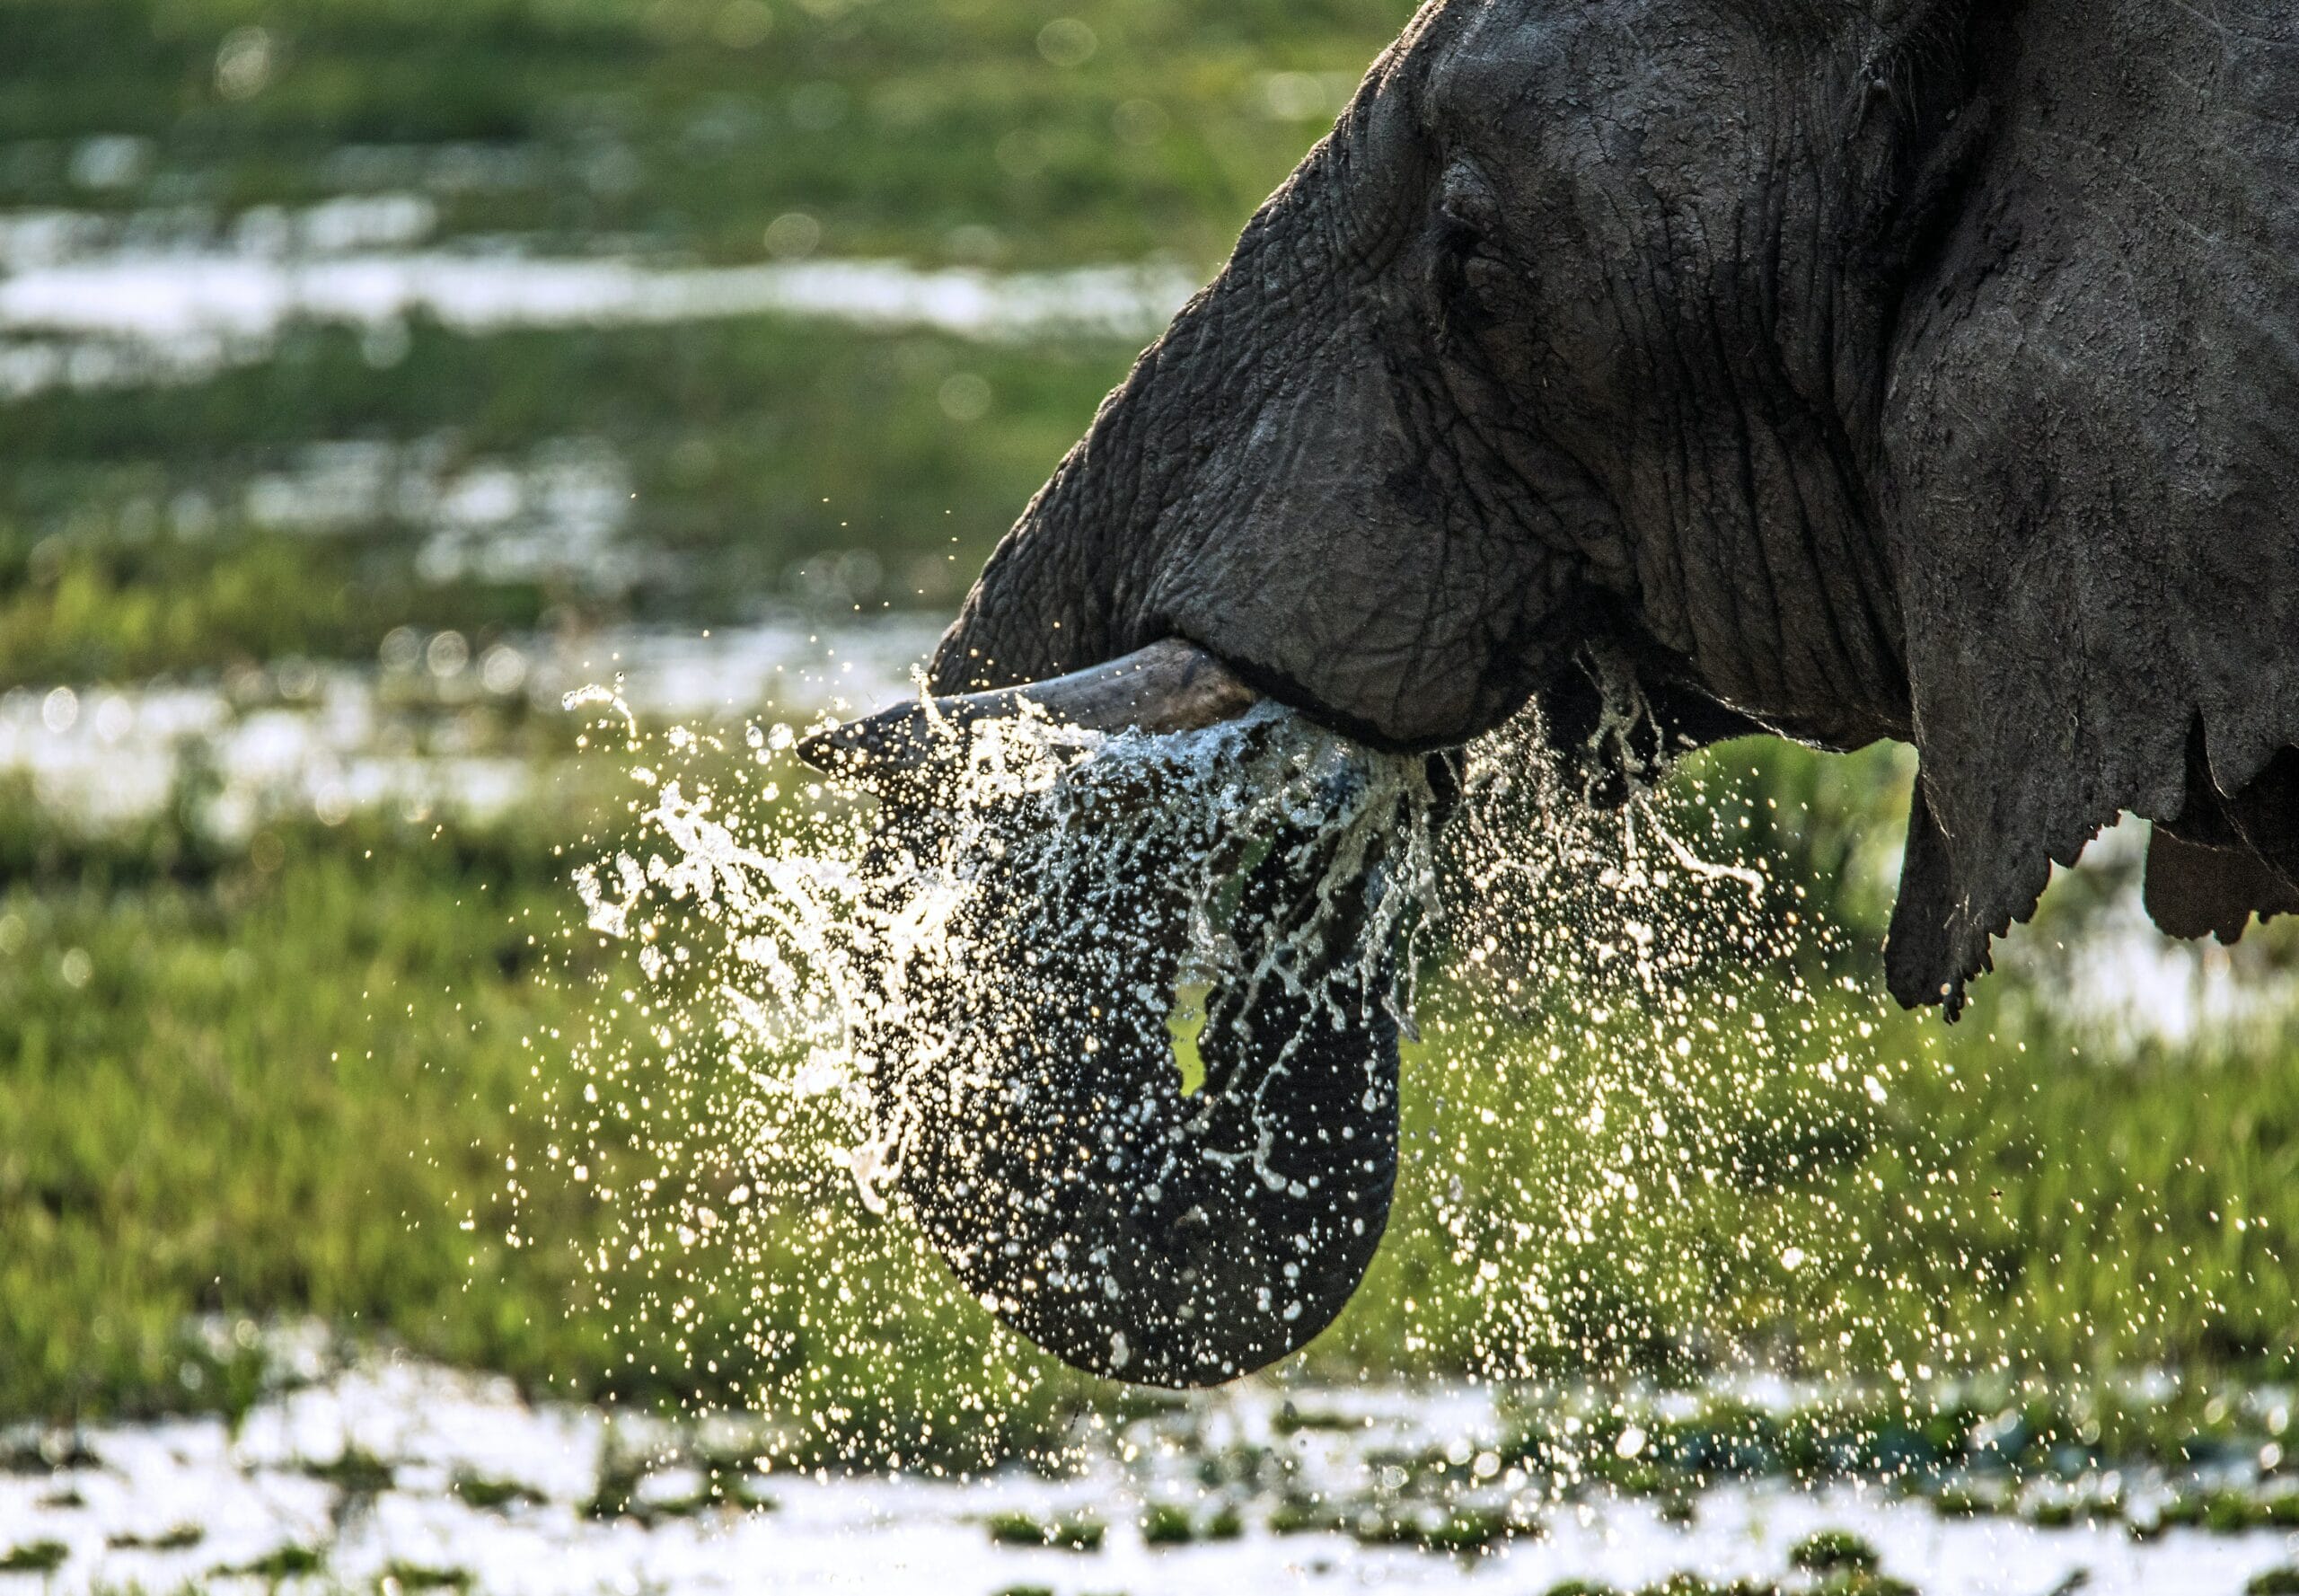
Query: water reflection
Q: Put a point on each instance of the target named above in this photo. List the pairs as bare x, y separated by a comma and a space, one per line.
172, 296
433, 729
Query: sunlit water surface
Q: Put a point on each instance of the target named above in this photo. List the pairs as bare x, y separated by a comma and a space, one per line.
391, 1470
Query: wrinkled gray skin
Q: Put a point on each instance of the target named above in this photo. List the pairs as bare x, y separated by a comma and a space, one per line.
1872, 369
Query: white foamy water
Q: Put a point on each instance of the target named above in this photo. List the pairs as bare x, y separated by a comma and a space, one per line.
231, 1497
84, 302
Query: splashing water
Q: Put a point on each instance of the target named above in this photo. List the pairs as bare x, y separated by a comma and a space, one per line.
850, 1023
830, 929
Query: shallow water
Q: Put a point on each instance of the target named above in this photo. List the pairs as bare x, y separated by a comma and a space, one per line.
420, 1440
93, 302
408, 735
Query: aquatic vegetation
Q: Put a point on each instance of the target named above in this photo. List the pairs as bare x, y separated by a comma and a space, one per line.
354, 1471
648, 1490
1076, 1533
178, 1537
1693, 1584
1957, 1501
1174, 1523
34, 1557
1306, 1515
1167, 1523
1460, 1528
1858, 1583
288, 1561
1833, 1551
494, 1495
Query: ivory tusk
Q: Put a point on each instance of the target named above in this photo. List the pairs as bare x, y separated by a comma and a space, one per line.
1169, 687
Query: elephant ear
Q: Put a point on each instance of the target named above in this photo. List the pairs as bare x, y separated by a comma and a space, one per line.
2090, 457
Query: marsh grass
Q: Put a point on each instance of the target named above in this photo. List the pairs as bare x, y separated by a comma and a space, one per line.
293, 1092
284, 1562
896, 124
34, 1557
752, 447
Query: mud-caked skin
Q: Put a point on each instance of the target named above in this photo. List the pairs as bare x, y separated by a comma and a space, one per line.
1850, 370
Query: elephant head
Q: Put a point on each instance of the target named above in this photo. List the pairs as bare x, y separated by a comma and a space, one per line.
1843, 369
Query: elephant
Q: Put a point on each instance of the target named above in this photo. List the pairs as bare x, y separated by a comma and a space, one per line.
1840, 370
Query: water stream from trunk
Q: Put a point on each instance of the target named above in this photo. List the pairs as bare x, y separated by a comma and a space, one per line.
819, 990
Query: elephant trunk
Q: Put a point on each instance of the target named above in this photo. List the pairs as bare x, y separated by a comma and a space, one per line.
1169, 687
1030, 1104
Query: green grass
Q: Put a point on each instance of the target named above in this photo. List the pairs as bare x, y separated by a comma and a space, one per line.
178, 1538
282, 1563
1078, 1533
1833, 1551
95, 613
898, 123
260, 1101
751, 447
494, 1495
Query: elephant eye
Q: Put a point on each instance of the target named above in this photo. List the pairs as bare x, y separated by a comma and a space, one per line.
1471, 276
1467, 202
1471, 286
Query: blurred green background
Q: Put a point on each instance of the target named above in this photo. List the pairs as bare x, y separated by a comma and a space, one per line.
265, 1047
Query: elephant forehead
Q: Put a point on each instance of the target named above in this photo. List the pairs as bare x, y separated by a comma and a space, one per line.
1627, 84
1475, 76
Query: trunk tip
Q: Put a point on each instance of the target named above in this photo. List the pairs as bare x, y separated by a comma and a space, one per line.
887, 742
